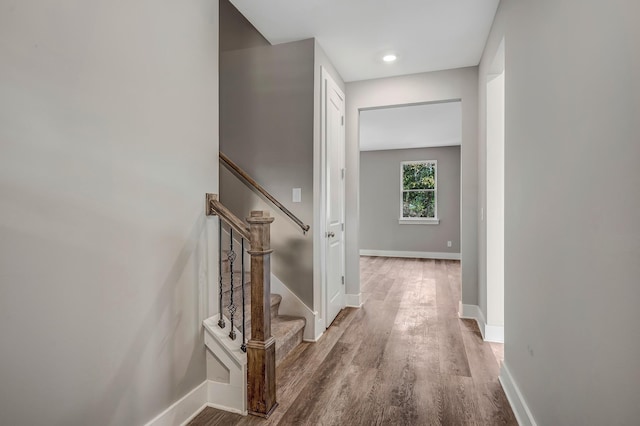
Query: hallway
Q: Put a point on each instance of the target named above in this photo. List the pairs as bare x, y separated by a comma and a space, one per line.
404, 358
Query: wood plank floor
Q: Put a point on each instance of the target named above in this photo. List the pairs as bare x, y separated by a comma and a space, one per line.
404, 358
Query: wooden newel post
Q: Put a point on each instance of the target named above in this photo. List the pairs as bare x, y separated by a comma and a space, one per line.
261, 349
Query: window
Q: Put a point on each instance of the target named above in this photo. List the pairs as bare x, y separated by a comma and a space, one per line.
419, 183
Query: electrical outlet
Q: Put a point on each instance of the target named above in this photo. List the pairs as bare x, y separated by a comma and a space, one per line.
448, 243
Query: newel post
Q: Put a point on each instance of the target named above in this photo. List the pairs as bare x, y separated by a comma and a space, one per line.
261, 349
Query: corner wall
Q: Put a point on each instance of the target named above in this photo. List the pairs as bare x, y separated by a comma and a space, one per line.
417, 88
109, 135
571, 208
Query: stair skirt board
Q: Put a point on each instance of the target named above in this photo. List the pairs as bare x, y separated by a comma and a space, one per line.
231, 396
293, 306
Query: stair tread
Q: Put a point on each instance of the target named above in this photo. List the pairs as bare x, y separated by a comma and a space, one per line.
284, 325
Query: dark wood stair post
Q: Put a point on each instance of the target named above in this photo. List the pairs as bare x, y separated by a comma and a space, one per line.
261, 349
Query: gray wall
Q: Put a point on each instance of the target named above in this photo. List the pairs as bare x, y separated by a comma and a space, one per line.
236, 32
266, 127
572, 276
108, 133
270, 126
380, 199
461, 84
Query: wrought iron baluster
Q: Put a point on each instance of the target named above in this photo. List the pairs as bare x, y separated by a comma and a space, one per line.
232, 307
221, 320
244, 336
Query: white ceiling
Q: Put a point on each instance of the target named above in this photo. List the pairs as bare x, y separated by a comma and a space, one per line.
426, 35
413, 126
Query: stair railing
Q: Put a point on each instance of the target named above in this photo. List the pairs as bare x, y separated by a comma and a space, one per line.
249, 180
261, 348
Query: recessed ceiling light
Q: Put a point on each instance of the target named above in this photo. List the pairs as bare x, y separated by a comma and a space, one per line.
389, 58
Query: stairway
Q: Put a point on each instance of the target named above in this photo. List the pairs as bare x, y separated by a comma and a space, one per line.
286, 330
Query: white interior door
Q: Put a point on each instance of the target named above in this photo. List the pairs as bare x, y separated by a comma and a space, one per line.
334, 152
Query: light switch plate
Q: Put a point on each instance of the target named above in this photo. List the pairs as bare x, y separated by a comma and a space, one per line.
297, 195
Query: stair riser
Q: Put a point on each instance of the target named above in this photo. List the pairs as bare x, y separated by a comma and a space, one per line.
284, 347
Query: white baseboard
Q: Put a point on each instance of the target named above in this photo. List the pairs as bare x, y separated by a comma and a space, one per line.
206, 394
318, 332
185, 409
292, 305
494, 333
516, 400
473, 312
224, 396
490, 333
411, 254
353, 300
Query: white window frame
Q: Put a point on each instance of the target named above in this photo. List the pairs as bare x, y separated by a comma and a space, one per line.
418, 220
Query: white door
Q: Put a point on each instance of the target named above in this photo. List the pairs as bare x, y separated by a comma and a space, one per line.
334, 152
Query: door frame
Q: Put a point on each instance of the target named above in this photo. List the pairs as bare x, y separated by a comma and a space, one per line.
321, 228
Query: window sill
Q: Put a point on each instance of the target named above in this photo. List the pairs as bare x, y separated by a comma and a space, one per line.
418, 221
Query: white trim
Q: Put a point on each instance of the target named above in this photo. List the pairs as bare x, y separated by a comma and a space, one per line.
223, 396
412, 254
490, 333
207, 394
183, 410
516, 400
494, 333
473, 312
319, 329
231, 396
418, 221
218, 341
353, 300
292, 305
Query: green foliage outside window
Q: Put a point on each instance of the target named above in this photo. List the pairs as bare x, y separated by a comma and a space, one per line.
419, 189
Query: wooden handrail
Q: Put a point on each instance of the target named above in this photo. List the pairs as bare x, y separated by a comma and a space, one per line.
263, 191
215, 207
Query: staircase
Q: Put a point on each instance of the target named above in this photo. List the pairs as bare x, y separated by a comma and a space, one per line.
247, 337
287, 330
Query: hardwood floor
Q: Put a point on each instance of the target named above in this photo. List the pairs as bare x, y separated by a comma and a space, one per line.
404, 358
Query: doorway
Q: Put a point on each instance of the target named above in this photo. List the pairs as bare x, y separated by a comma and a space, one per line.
333, 198
410, 180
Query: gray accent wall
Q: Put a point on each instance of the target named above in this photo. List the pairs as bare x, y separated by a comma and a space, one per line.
266, 127
380, 199
236, 32
109, 142
572, 203
270, 127
457, 84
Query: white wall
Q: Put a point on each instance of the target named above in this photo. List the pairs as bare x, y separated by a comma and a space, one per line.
571, 206
493, 214
109, 139
417, 88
